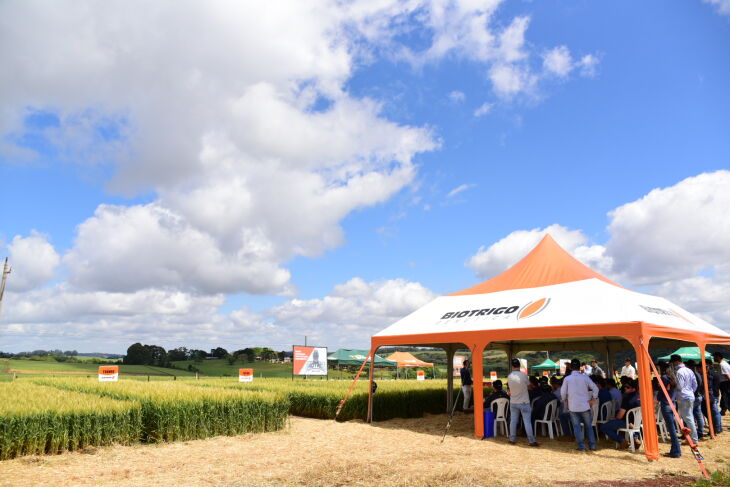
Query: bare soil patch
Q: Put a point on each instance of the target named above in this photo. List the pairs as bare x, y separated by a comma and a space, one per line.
396, 453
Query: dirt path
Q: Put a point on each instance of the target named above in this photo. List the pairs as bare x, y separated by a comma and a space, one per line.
395, 453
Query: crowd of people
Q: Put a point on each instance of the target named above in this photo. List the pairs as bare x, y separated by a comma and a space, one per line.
583, 386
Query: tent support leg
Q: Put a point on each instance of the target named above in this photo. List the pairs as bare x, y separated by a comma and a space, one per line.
651, 439
370, 388
450, 351
609, 362
477, 367
707, 390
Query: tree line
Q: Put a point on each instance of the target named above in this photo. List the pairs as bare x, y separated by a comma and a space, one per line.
155, 355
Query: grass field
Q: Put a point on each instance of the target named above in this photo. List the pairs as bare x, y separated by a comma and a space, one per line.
33, 367
221, 368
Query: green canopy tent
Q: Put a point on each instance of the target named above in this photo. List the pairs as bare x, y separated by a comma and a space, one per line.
688, 353
546, 365
345, 356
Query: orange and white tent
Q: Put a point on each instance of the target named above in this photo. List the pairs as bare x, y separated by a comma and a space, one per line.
405, 359
551, 301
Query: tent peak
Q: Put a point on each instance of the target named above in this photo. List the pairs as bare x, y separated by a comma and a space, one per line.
546, 264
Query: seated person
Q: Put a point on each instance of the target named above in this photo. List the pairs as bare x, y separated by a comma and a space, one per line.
546, 395
629, 401
533, 388
615, 393
498, 393
603, 394
563, 413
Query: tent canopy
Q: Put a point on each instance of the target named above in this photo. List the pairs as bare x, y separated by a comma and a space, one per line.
688, 353
405, 359
551, 301
345, 356
546, 365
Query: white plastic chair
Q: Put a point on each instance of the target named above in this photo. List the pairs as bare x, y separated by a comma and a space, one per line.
549, 419
633, 425
605, 414
661, 424
500, 415
594, 418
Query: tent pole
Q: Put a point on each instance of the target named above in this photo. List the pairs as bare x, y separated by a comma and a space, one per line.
370, 388
609, 364
707, 390
450, 377
477, 366
651, 440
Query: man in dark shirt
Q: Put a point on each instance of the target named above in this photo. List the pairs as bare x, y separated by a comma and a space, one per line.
466, 385
533, 388
603, 394
713, 386
498, 393
546, 395
629, 400
699, 397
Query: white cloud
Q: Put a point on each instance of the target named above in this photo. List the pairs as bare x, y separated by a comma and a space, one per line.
33, 260
722, 6
558, 61
483, 109
509, 80
457, 96
353, 311
459, 189
588, 65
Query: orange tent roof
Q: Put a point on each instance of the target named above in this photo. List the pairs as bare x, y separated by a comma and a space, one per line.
546, 265
405, 359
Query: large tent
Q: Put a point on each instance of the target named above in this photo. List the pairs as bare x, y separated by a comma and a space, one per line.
550, 301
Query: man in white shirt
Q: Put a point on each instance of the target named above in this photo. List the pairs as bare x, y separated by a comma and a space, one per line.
580, 393
519, 404
628, 370
724, 374
587, 369
686, 387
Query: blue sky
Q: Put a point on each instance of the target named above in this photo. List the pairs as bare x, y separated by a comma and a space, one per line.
231, 190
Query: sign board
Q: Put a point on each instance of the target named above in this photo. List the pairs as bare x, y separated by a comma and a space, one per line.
420, 375
493, 376
563, 362
310, 360
108, 373
245, 375
458, 364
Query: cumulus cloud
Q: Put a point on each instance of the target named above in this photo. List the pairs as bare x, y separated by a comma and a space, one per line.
558, 61
354, 309
457, 96
34, 261
483, 109
674, 242
722, 6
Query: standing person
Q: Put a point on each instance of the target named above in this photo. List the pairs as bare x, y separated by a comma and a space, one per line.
628, 370
466, 385
519, 404
587, 369
724, 369
686, 386
597, 370
711, 406
580, 393
699, 398
670, 384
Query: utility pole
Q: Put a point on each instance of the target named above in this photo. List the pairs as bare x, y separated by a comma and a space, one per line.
6, 271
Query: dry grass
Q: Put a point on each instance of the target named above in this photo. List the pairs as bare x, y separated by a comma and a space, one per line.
396, 453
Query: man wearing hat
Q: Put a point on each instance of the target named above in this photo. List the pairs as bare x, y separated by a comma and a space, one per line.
686, 387
519, 404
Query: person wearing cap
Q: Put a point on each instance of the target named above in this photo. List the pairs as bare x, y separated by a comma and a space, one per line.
686, 386
497, 393
724, 369
466, 385
580, 393
628, 370
629, 400
519, 404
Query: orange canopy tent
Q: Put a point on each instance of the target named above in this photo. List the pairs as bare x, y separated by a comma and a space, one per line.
550, 301
405, 359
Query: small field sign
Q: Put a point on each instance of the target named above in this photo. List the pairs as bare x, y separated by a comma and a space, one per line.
420, 375
245, 375
493, 376
109, 373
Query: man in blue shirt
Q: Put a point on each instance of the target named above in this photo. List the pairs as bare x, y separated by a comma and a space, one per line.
466, 384
580, 393
686, 387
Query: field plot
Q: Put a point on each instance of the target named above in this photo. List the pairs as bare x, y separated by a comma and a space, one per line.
38, 419
43, 367
395, 453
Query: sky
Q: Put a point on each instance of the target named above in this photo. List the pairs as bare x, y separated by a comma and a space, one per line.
237, 174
